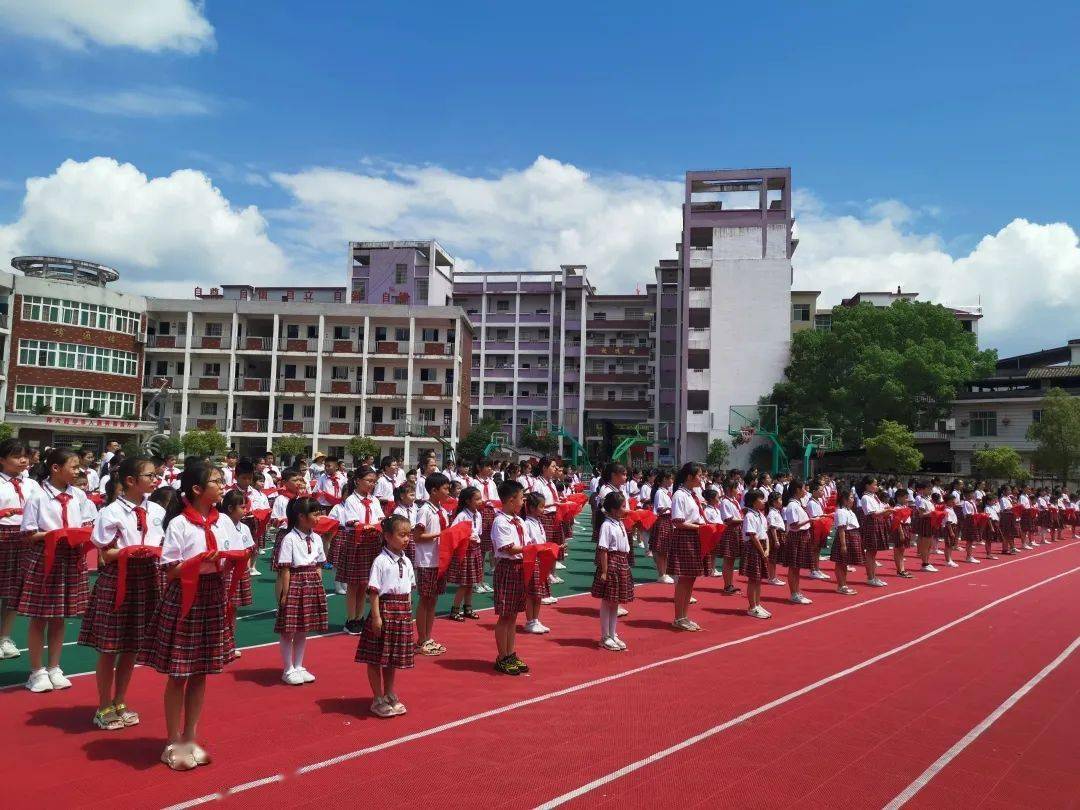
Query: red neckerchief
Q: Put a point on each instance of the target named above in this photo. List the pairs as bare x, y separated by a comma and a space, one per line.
204, 523
337, 485
551, 487
14, 480
735, 503
64, 499
366, 501
697, 502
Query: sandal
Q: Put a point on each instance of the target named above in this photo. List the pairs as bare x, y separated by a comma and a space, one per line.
395, 704
107, 719
456, 616
430, 648
199, 754
178, 757
126, 715
469, 613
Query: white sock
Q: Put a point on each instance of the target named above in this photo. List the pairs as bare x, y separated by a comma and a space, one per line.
298, 645
604, 611
285, 644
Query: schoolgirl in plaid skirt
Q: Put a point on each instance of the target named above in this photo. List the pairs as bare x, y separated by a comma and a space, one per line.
1010, 526
235, 506
900, 533
872, 515
467, 571
797, 551
613, 584
360, 515
970, 532
431, 520
190, 647
992, 532
300, 594
755, 554
537, 589
847, 545
660, 536
63, 591
731, 544
118, 632
15, 491
508, 538
777, 533
685, 561
387, 639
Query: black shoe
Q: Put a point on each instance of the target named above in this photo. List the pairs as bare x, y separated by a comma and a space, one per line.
469, 613
522, 667
353, 627
456, 616
905, 575
507, 666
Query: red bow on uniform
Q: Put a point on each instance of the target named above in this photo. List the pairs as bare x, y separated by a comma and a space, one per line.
898, 516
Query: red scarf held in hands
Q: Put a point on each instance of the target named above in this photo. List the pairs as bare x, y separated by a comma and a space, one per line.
820, 528
453, 542
545, 553
326, 525
709, 535
643, 517
126, 553
898, 516
76, 537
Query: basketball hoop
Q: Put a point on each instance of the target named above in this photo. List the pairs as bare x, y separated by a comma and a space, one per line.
746, 433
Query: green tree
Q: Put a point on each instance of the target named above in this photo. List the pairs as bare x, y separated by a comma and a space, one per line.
903, 363
359, 446
471, 448
1058, 434
204, 443
892, 449
291, 446
1000, 463
6, 431
718, 454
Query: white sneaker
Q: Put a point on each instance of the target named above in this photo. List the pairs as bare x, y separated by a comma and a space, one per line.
939, 551
254, 572
685, 624
757, 612
693, 600
305, 675
775, 581
622, 612
57, 679
293, 677
478, 588
549, 600
799, 599
8, 649
667, 579
39, 681
952, 564
340, 588
534, 627
611, 644
619, 641
559, 566
819, 574
973, 561
488, 588
876, 583
1028, 546
929, 568
716, 572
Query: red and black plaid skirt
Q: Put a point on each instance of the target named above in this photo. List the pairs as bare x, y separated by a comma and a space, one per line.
901, 535
684, 558
1027, 521
244, 595
969, 532
279, 538
487, 517
852, 553
304, 609
731, 542
429, 583
922, 525
64, 592
552, 531
798, 550
753, 566
198, 643
112, 631
950, 533
541, 589
13, 551
1009, 527
395, 646
776, 548
468, 569
875, 536
660, 537
619, 585
333, 550
357, 555
509, 585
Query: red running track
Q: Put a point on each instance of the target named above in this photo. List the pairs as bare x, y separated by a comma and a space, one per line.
538, 744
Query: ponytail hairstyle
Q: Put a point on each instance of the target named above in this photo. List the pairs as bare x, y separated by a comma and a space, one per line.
688, 469
390, 524
612, 501
661, 476
610, 469
752, 497
354, 477
386, 463
164, 497
57, 457
534, 501
196, 474
300, 506
789, 493
231, 499
463, 499
776, 498
860, 488
129, 468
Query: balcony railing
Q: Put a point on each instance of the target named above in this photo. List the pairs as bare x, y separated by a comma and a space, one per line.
388, 347
212, 384
301, 425
296, 386
336, 427
247, 424
387, 388
255, 343
433, 348
342, 386
432, 389
344, 345
155, 381
211, 342
166, 341
208, 422
287, 344
254, 384
392, 428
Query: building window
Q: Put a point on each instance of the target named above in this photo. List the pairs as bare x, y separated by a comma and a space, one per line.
422, 290
339, 372
359, 293
310, 372
76, 356
599, 316
635, 314
823, 323
74, 400
697, 400
208, 409
427, 415
338, 412
292, 331
341, 333
401, 333
502, 306
800, 312
397, 413
1036, 416
401, 273
213, 330
308, 411
401, 373
429, 335
571, 305
983, 423
77, 313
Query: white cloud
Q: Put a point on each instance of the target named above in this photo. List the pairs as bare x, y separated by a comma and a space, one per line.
145, 25
547, 214
163, 233
144, 102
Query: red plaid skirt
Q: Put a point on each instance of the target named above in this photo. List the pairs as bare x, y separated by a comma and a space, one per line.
357, 555
684, 558
776, 548
922, 525
467, 570
1050, 519
509, 584
901, 535
65, 592
969, 532
950, 534
244, 595
541, 589
660, 537
113, 631
872, 528
197, 644
731, 542
1027, 522
13, 550
619, 585
1009, 527
753, 565
429, 583
797, 551
395, 646
487, 517
853, 555
333, 551
304, 610
279, 537
552, 532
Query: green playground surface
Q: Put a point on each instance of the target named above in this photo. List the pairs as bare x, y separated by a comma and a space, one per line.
255, 623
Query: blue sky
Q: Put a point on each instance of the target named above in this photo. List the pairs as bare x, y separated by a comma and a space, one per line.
915, 132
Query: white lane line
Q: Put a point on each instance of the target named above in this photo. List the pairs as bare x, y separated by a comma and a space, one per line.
780, 701
617, 676
924, 778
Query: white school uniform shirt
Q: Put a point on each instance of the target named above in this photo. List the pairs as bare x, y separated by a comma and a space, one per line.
10, 498
327, 485
778, 488
427, 551
755, 524
294, 551
279, 511
384, 488
950, 515
813, 508
489, 490
979, 494
967, 507
602, 492
92, 479
662, 503
714, 514
255, 498
546, 487
117, 524
408, 512
534, 532
729, 510
613, 536
632, 488
43, 513
1025, 501
170, 476
1042, 502
392, 574
923, 505
846, 519
505, 532
795, 516
870, 504
685, 508
994, 512
476, 519
937, 490
594, 482
956, 495
268, 484
315, 469
184, 540
1005, 502
228, 476
776, 519
246, 540
103, 484
354, 510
